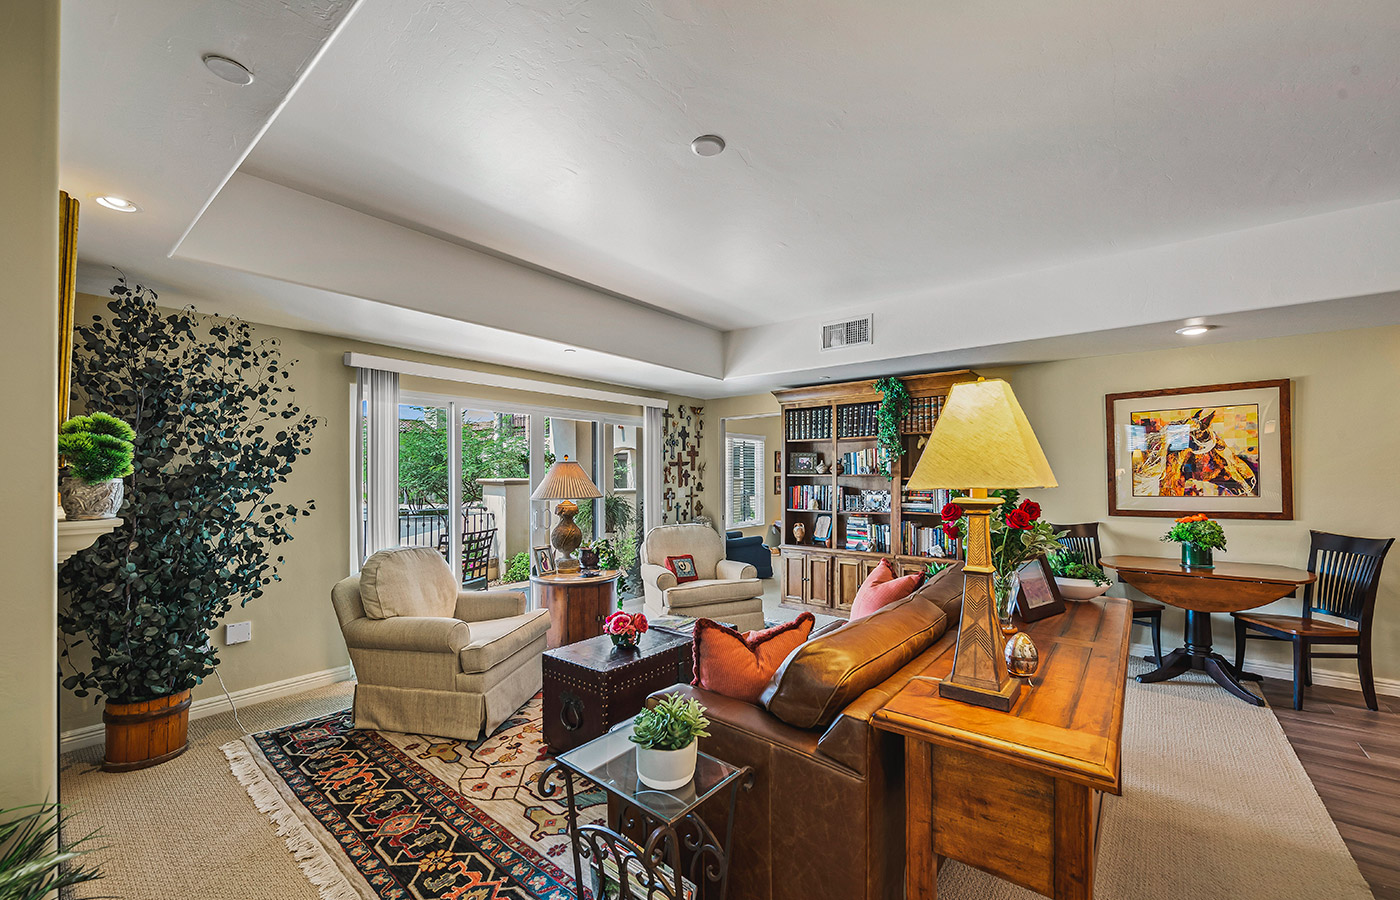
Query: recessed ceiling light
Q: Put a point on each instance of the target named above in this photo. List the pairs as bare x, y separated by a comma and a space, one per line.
708, 145
570, 350
120, 204
1193, 330
229, 70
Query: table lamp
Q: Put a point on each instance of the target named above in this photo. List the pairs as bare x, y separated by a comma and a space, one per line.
981, 440
566, 482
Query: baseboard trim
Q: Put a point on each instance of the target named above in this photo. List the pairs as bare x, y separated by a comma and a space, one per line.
1388, 686
93, 735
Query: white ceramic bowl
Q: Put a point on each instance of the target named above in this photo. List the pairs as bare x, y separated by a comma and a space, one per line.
1080, 588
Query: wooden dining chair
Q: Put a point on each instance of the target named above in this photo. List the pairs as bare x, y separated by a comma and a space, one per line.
1348, 571
1084, 538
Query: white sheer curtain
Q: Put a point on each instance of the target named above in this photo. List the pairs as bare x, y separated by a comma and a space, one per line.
653, 439
381, 390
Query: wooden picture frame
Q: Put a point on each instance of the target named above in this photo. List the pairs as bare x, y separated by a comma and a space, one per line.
1037, 595
1225, 450
777, 484
777, 461
803, 462
544, 561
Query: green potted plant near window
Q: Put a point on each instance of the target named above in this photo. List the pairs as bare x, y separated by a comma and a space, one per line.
1076, 579
98, 450
1199, 536
666, 738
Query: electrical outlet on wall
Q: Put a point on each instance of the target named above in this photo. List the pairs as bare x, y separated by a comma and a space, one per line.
238, 632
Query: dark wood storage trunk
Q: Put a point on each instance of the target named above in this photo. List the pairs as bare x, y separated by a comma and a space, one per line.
591, 686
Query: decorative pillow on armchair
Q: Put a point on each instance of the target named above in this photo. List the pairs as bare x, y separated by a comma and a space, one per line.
683, 567
741, 665
881, 588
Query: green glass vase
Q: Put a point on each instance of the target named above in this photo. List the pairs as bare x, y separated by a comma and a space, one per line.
1194, 556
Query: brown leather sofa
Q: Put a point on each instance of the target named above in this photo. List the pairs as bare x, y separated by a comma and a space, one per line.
825, 817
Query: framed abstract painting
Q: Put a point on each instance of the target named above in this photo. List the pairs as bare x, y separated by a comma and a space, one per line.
1221, 449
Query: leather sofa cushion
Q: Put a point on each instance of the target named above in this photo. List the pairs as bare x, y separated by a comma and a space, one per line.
945, 590
825, 675
407, 581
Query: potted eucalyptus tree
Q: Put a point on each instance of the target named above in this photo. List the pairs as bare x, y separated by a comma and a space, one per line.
216, 432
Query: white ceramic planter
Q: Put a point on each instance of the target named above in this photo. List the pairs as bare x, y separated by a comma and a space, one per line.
667, 770
1080, 588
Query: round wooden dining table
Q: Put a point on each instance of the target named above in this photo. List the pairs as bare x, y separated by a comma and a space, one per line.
1227, 587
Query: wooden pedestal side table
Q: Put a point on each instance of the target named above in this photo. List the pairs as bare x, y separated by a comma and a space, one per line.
1018, 793
577, 604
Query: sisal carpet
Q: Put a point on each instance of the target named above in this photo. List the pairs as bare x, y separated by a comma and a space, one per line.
1216, 805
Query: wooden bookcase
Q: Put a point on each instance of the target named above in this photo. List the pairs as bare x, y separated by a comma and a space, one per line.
834, 421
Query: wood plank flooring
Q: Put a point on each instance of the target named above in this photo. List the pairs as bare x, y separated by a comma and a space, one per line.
1352, 756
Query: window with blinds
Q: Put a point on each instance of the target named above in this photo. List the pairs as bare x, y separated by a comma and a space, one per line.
743, 480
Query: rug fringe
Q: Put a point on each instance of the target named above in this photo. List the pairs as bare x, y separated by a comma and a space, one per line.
316, 864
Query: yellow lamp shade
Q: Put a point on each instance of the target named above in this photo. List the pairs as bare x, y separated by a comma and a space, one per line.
566, 480
982, 439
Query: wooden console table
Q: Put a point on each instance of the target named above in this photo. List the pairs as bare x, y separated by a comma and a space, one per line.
1017, 793
577, 605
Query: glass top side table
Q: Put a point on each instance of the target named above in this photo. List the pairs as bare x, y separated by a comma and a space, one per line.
680, 851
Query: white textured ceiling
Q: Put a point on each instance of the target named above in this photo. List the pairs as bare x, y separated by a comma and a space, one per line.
998, 182
875, 149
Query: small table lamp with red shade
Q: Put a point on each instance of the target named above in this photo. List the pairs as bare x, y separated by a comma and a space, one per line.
982, 440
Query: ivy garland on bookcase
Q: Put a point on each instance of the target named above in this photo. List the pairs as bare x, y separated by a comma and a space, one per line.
894, 403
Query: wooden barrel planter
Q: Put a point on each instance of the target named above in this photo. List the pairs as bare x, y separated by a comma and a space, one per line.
141, 735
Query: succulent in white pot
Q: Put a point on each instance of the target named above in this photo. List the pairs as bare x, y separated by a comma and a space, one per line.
99, 452
1076, 579
666, 736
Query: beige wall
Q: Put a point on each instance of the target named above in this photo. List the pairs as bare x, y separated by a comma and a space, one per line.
294, 630
1346, 435
1346, 438
29, 366
752, 414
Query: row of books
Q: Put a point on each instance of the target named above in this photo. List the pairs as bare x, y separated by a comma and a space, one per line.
863, 534
925, 540
923, 412
809, 496
870, 461
865, 501
925, 501
809, 424
857, 420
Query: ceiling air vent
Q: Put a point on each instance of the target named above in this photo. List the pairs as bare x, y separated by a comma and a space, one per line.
849, 333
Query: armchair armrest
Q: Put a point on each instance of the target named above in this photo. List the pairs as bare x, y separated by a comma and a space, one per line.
424, 634
734, 569
660, 576
478, 606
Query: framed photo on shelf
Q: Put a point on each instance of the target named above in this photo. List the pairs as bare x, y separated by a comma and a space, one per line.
803, 463
1225, 450
1037, 597
544, 561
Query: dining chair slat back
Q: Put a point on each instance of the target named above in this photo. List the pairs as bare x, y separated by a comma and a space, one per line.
1348, 571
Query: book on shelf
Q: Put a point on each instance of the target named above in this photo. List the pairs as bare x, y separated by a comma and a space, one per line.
809, 424
867, 461
863, 534
809, 497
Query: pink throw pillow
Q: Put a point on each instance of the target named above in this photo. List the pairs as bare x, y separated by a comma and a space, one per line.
881, 588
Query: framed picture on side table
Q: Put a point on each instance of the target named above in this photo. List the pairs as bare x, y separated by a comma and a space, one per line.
1038, 597
1225, 450
544, 561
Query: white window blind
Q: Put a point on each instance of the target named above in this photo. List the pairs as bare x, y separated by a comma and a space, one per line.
743, 480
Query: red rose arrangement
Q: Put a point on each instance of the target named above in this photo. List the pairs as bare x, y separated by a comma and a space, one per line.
1018, 534
625, 628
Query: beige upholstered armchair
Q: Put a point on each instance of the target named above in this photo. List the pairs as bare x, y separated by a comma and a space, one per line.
728, 590
430, 657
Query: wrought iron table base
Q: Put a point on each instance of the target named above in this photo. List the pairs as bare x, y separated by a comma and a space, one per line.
665, 844
1199, 656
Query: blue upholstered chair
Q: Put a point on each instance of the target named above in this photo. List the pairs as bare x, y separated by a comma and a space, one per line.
751, 550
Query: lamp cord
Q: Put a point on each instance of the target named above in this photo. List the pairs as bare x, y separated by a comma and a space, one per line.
231, 704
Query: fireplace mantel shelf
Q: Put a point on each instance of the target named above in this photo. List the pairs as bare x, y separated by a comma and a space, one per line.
80, 534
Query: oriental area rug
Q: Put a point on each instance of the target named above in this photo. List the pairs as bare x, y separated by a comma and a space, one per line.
1215, 804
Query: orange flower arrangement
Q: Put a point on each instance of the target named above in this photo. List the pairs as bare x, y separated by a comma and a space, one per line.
1199, 530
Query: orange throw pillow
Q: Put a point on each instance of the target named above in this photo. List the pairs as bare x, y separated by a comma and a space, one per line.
881, 588
741, 665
